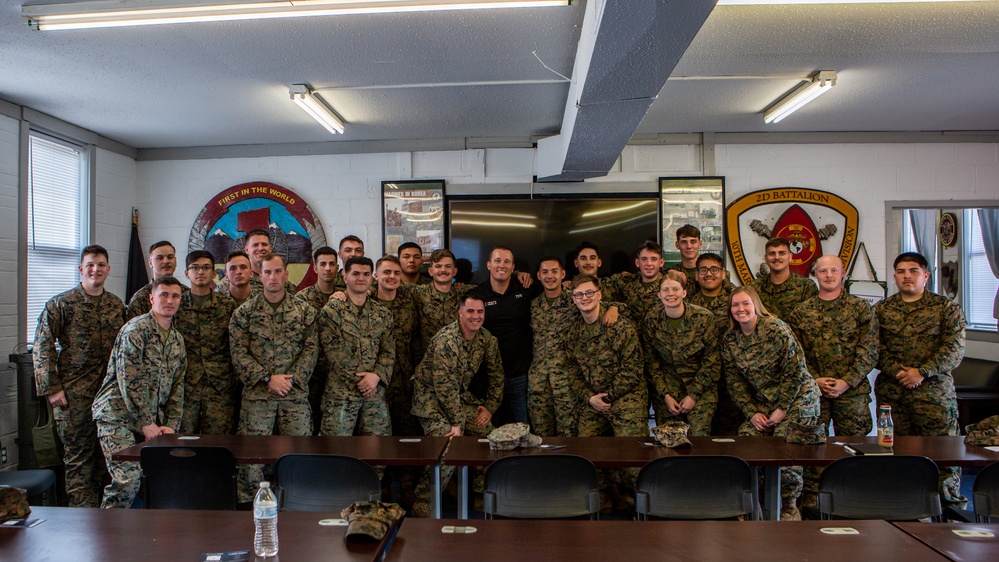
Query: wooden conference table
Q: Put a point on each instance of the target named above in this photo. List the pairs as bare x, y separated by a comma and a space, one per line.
942, 538
267, 449
153, 535
630, 452
945, 450
609, 541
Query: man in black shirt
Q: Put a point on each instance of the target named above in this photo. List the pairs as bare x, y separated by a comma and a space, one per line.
508, 318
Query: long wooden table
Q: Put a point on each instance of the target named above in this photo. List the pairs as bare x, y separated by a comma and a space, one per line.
609, 541
153, 535
267, 449
942, 538
945, 451
630, 452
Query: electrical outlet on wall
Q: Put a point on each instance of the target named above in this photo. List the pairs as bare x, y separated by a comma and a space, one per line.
3, 455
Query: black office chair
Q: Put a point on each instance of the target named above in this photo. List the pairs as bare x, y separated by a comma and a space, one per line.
695, 487
541, 487
325, 482
897, 488
40, 484
986, 494
189, 477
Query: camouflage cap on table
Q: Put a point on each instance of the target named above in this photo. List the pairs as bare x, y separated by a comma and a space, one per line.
511, 436
672, 433
984, 433
13, 503
371, 520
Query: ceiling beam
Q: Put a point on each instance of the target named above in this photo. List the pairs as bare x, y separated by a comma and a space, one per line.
627, 49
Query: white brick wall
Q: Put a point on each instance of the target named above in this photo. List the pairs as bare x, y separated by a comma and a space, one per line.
115, 196
9, 135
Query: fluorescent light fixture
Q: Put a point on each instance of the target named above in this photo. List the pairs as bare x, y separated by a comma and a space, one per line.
119, 13
815, 87
766, 2
316, 108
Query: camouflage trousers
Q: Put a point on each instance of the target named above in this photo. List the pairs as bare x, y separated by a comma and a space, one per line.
399, 397
262, 417
929, 409
699, 417
438, 426
126, 476
207, 411
81, 453
622, 420
317, 387
356, 415
552, 404
850, 415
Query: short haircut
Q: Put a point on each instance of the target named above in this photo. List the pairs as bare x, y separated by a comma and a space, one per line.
757, 304
273, 256
689, 231
350, 238
323, 251
583, 278
358, 260
440, 254
585, 245
165, 280
551, 258
501, 248
258, 232
777, 242
469, 297
94, 249
198, 255
710, 257
914, 257
650, 246
386, 258
675, 275
160, 244
237, 254
409, 246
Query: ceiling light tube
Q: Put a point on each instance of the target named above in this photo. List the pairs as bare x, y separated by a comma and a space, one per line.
119, 13
816, 86
316, 108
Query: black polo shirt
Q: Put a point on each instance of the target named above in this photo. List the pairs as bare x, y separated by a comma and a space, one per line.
508, 318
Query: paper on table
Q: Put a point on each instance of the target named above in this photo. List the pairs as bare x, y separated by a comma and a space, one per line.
993, 449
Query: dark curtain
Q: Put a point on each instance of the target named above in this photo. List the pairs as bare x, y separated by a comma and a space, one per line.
137, 276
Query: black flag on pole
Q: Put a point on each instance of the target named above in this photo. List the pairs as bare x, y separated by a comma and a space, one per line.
137, 276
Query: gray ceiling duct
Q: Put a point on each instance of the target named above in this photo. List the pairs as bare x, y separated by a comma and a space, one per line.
627, 50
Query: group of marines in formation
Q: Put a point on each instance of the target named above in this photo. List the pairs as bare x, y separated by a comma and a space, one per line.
382, 349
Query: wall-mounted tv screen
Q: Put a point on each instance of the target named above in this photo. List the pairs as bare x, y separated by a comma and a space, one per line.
534, 228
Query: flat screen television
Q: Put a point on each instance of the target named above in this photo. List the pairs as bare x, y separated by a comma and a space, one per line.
534, 228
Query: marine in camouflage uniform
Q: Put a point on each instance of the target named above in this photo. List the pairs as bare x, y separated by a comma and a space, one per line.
929, 335
718, 304
437, 309
317, 299
209, 399
638, 296
728, 416
441, 395
405, 333
779, 300
840, 341
683, 359
256, 286
144, 386
265, 340
691, 287
766, 371
356, 340
73, 341
552, 399
139, 304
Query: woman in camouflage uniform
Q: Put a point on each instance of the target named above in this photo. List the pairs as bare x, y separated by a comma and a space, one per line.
767, 377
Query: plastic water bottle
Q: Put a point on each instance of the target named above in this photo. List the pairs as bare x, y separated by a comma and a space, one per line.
265, 538
886, 429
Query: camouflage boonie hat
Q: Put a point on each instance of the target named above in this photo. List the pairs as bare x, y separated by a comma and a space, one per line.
984, 433
805, 434
371, 520
512, 435
13, 503
672, 434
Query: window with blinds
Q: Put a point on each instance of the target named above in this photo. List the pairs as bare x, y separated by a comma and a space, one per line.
981, 283
56, 188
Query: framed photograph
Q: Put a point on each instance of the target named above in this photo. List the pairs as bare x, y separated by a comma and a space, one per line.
697, 201
413, 212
